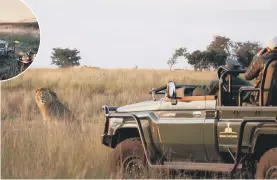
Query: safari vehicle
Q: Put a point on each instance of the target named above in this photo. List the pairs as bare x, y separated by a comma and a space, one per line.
197, 133
7, 49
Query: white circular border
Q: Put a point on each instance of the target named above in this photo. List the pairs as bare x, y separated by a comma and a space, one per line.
38, 47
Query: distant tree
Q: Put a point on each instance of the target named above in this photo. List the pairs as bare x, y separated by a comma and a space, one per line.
171, 61
208, 60
245, 51
65, 57
181, 52
214, 56
203, 60
221, 47
195, 59
219, 59
217, 52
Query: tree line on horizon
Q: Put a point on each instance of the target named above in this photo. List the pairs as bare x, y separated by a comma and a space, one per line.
219, 50
216, 53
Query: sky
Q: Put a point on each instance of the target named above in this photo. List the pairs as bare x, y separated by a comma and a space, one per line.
124, 33
14, 11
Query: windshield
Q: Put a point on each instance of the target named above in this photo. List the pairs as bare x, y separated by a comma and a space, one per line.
2, 45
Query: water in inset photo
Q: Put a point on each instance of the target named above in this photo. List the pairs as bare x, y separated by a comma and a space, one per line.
19, 38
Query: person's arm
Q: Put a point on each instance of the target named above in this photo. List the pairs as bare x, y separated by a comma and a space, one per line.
255, 67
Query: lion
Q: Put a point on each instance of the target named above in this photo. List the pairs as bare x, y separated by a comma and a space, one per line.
51, 107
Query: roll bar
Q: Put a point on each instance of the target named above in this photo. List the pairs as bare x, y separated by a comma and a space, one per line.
222, 77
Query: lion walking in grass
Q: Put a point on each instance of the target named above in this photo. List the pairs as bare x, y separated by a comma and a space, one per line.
53, 110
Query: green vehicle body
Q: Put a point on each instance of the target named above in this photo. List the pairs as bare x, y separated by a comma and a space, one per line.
6, 48
200, 131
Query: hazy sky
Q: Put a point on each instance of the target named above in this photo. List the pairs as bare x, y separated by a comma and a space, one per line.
125, 33
14, 10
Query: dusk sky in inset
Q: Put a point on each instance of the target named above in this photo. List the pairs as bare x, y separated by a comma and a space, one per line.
124, 33
14, 11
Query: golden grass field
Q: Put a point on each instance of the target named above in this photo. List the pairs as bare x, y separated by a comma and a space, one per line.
27, 33
31, 149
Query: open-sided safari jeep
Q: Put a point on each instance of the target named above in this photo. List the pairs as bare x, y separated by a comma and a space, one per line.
197, 133
13, 61
7, 49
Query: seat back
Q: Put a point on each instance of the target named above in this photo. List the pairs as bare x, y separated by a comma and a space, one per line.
268, 90
180, 92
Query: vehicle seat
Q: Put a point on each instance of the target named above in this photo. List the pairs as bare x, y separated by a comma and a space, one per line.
270, 85
180, 92
201, 91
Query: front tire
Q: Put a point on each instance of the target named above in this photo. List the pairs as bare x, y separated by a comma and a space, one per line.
128, 160
267, 167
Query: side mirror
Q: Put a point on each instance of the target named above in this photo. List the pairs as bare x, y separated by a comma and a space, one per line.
171, 92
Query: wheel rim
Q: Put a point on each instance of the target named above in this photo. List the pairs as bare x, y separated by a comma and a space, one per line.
271, 173
134, 168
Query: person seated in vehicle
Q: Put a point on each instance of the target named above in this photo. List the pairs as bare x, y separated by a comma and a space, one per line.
213, 87
256, 68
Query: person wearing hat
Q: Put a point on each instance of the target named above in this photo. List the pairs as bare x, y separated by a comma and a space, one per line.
25, 60
213, 87
25, 63
256, 68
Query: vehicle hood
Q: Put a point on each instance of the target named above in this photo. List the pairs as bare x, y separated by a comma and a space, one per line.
141, 106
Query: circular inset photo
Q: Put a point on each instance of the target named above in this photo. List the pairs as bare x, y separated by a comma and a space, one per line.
19, 38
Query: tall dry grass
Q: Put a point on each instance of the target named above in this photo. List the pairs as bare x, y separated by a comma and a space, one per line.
31, 149
29, 36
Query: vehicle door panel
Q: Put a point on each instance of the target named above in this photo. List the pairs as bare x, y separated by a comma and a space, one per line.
182, 125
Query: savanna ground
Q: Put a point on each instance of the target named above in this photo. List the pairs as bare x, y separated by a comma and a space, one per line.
31, 149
